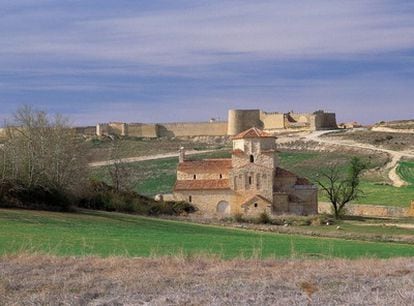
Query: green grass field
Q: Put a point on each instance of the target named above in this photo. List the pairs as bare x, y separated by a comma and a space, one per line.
405, 170
106, 234
158, 176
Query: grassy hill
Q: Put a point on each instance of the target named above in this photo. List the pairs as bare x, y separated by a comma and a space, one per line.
106, 234
158, 176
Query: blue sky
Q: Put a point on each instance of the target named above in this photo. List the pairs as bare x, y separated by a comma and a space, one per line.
158, 61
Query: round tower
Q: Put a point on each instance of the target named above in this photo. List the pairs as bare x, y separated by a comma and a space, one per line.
240, 120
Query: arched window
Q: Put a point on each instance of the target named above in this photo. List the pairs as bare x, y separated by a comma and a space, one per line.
221, 176
194, 176
255, 204
190, 198
250, 180
251, 158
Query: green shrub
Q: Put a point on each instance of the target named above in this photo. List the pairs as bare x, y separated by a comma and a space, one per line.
238, 217
101, 196
18, 195
264, 218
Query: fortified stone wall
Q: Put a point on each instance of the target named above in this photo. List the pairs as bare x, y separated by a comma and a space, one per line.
2, 133
322, 120
84, 130
243, 119
118, 128
272, 120
192, 129
301, 117
240, 120
142, 130
112, 128
163, 130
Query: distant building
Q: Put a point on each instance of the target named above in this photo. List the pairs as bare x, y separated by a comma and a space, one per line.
249, 182
238, 120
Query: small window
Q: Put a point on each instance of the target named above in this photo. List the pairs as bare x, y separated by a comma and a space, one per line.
221, 176
255, 204
251, 158
250, 180
190, 198
194, 176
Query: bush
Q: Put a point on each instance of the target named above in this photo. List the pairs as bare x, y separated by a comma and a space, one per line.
264, 218
238, 217
101, 196
18, 195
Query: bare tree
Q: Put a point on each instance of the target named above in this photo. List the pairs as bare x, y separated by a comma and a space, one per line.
42, 151
118, 171
341, 187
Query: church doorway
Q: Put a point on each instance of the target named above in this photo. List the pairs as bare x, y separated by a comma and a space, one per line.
223, 208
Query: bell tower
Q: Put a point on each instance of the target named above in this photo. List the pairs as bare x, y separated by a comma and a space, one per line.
254, 163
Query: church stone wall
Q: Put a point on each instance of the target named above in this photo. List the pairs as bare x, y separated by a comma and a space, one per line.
203, 199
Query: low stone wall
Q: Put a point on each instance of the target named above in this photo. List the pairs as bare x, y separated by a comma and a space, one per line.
370, 210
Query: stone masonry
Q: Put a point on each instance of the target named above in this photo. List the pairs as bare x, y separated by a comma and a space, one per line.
249, 182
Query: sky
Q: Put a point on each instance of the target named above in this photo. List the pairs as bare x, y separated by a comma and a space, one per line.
170, 61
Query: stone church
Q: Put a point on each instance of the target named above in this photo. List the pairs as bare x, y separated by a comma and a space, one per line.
249, 182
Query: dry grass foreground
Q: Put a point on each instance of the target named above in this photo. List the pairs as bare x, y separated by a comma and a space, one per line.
50, 280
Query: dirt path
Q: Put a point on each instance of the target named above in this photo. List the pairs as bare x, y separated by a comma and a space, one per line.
147, 157
391, 165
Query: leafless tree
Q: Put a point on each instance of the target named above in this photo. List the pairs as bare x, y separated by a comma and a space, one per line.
118, 171
42, 151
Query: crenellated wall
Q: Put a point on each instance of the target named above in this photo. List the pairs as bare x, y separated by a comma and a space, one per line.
163, 130
238, 120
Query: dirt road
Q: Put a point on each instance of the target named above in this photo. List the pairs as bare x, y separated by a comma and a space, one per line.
147, 157
394, 155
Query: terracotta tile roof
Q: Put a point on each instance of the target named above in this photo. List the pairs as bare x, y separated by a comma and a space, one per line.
202, 184
303, 181
206, 165
283, 172
253, 132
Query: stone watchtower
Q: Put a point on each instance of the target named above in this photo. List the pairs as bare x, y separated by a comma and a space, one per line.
253, 164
